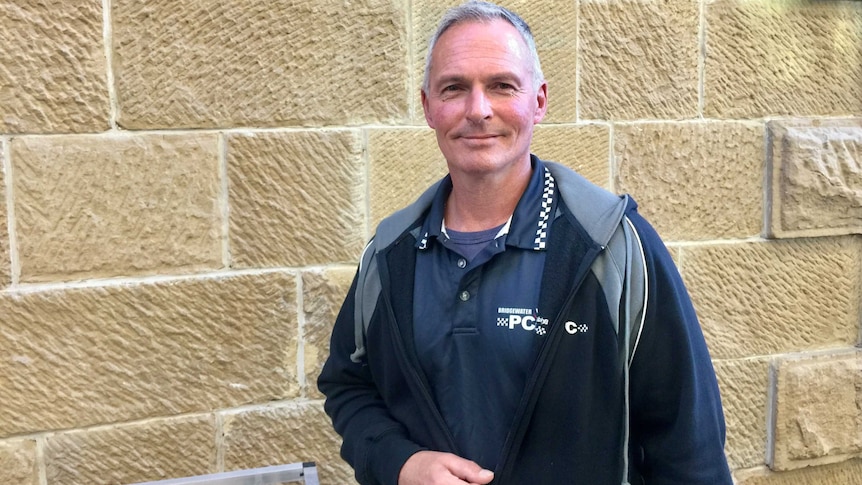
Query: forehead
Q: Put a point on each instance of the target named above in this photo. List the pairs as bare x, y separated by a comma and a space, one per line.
473, 46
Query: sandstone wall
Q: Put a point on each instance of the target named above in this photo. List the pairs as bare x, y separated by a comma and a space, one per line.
187, 185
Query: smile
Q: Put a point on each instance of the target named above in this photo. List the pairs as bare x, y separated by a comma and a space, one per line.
478, 137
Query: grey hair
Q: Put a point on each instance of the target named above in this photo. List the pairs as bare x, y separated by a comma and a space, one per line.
481, 11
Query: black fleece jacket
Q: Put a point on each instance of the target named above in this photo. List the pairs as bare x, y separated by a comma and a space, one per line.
570, 427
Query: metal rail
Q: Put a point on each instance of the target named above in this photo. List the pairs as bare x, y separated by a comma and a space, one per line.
271, 475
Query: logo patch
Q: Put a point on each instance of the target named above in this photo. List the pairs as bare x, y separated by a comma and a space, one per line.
573, 328
522, 319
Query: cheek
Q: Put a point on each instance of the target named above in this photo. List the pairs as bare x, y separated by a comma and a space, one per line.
517, 111
520, 116
445, 115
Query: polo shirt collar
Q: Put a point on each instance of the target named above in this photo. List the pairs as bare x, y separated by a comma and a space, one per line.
527, 227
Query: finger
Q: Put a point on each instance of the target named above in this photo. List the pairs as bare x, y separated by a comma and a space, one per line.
483, 477
471, 472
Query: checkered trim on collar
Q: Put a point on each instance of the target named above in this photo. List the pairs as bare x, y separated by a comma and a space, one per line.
522, 229
545, 214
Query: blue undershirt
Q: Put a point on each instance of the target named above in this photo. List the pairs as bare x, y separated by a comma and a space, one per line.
469, 244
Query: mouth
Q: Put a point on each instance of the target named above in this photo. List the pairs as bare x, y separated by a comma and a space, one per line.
481, 136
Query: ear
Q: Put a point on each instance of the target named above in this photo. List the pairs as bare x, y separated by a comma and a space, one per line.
541, 102
426, 109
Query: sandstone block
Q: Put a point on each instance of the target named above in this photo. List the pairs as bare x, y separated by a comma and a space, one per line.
775, 297
52, 67
100, 206
845, 473
584, 148
285, 433
817, 409
816, 184
638, 59
247, 63
693, 181
553, 26
5, 261
323, 292
744, 385
18, 462
96, 355
782, 58
402, 164
295, 198
132, 453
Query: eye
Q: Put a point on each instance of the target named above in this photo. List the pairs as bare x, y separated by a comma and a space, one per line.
450, 88
504, 86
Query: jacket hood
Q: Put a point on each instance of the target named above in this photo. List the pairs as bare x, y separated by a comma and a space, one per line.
597, 210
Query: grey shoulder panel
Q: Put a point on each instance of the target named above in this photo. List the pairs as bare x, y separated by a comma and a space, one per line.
621, 272
638, 287
368, 286
609, 269
393, 226
620, 268
634, 312
364, 298
596, 209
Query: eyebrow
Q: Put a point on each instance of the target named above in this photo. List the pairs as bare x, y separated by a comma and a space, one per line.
497, 77
454, 78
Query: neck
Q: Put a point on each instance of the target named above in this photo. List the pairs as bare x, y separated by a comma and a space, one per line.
486, 201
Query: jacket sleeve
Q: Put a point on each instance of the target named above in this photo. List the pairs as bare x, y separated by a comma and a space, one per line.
677, 423
374, 444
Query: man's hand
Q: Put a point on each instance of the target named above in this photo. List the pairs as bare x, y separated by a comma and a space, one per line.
435, 468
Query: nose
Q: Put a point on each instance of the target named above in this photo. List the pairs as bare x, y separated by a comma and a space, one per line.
478, 106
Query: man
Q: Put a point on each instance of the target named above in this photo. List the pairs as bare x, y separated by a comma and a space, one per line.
486, 337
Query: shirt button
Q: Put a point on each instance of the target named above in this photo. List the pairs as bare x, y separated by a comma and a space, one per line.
464, 295
462, 263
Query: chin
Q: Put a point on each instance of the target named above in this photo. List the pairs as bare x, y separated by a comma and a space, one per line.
477, 167
482, 162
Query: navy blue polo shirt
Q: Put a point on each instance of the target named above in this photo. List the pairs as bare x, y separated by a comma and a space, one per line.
476, 325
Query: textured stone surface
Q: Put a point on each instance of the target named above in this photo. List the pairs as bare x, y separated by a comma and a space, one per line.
289, 433
248, 63
115, 205
818, 409
18, 462
5, 261
553, 26
402, 164
693, 181
323, 292
744, 384
584, 148
775, 297
295, 198
782, 58
52, 67
638, 59
94, 355
155, 450
816, 183
844, 473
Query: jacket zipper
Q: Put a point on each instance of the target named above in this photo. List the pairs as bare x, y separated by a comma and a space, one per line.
415, 376
531, 391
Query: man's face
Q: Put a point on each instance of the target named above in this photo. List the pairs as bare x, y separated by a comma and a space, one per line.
481, 99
